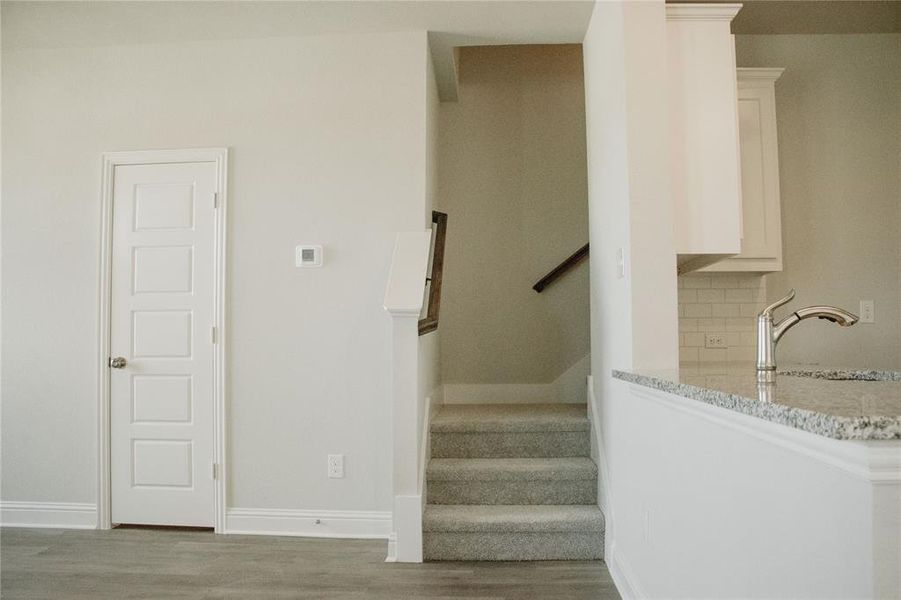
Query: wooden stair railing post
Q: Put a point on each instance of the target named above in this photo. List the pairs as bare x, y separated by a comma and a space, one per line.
429, 323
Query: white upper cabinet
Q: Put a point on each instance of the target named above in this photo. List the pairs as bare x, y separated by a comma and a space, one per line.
761, 245
705, 176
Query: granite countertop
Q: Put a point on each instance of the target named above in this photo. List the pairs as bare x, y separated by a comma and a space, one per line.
837, 403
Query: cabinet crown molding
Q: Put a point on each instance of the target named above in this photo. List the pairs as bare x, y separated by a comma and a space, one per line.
702, 12
767, 74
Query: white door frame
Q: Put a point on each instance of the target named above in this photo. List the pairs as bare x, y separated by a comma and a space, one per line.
110, 161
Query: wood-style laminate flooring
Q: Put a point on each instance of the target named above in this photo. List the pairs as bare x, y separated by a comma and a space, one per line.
147, 563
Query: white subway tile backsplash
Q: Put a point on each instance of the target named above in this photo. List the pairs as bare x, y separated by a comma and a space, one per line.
741, 324
688, 324
688, 354
710, 296
712, 354
696, 281
694, 311
724, 282
748, 338
686, 296
741, 353
726, 310
750, 310
692, 339
754, 282
739, 295
719, 303
711, 325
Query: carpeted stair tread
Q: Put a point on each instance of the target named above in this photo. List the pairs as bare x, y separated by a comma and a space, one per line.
511, 469
510, 418
512, 519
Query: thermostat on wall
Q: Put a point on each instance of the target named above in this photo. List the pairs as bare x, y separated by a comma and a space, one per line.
308, 256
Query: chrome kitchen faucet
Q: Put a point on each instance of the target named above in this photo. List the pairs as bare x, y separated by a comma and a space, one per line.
768, 334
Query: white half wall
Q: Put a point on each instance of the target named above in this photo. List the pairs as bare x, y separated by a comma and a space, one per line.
327, 142
713, 504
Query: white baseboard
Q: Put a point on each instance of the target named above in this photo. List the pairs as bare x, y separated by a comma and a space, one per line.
392, 548
425, 444
309, 523
620, 572
407, 534
600, 456
568, 388
499, 393
622, 575
60, 515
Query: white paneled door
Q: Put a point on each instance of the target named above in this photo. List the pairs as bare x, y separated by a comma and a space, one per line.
161, 344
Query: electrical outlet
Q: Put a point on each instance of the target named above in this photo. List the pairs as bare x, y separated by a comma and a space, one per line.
715, 340
867, 311
335, 466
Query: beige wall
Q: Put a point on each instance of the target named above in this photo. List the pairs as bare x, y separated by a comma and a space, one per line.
513, 182
327, 139
839, 118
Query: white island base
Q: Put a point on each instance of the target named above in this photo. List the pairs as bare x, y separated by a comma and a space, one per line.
705, 502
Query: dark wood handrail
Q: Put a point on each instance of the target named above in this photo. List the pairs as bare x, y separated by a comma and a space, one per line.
429, 323
558, 271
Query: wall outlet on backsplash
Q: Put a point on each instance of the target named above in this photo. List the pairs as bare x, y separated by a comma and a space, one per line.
715, 340
867, 311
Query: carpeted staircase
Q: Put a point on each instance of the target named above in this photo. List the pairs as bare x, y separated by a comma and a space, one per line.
512, 482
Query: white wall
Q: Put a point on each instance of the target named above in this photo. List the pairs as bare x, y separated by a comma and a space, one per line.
633, 318
328, 145
838, 108
429, 359
513, 183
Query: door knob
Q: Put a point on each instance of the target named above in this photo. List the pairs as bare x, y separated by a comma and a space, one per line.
118, 362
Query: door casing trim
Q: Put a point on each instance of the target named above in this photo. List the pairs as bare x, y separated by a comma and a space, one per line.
110, 160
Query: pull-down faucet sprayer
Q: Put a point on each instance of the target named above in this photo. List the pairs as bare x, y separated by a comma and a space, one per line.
769, 334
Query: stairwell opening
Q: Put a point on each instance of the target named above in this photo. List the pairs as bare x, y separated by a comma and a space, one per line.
512, 177
510, 475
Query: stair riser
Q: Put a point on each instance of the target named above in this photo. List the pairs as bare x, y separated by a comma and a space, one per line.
582, 491
537, 444
513, 546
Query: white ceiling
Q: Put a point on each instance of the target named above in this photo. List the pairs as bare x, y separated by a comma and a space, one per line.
450, 23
